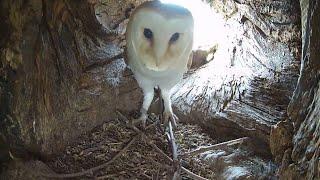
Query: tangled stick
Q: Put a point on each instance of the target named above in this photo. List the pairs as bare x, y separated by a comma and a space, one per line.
91, 170
149, 142
177, 168
188, 172
216, 146
176, 162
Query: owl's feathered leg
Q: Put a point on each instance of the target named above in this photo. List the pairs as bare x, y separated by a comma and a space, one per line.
168, 113
148, 97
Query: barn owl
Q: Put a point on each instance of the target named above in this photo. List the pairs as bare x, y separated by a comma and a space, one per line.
159, 41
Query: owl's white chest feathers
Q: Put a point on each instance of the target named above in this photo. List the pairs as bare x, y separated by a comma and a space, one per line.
164, 79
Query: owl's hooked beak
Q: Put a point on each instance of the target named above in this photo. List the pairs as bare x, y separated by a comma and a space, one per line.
160, 50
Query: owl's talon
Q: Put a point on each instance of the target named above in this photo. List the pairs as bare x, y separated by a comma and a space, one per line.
170, 116
141, 120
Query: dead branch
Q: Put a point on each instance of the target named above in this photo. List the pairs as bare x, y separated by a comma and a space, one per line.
149, 142
189, 173
193, 175
91, 170
176, 162
146, 176
172, 140
216, 146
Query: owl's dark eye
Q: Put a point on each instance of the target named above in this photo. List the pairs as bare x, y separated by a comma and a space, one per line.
174, 37
147, 33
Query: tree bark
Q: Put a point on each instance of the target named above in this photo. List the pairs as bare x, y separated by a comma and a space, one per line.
250, 94
302, 160
62, 73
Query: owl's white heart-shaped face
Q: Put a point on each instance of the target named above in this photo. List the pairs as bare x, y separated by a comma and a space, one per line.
159, 35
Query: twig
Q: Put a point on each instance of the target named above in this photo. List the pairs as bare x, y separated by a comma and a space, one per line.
156, 176
91, 170
176, 163
216, 146
99, 146
160, 151
164, 166
191, 174
146, 176
173, 143
110, 175
149, 141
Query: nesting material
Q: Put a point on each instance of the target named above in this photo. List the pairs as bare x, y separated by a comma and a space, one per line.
119, 150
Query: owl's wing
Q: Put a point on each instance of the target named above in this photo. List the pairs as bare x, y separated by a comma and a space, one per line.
190, 60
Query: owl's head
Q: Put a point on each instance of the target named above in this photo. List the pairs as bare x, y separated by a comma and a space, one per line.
160, 35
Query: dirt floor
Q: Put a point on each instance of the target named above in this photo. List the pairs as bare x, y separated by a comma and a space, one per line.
117, 150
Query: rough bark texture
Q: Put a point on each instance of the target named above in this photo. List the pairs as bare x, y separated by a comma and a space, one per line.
251, 91
61, 73
301, 161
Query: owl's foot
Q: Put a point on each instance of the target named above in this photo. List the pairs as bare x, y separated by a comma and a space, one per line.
166, 116
141, 120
